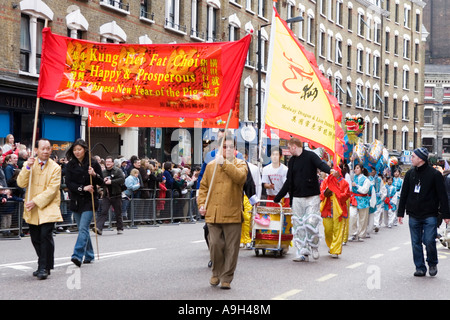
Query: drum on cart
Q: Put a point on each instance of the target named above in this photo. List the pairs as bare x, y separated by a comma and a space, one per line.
271, 229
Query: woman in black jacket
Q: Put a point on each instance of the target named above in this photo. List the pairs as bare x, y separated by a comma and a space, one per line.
78, 180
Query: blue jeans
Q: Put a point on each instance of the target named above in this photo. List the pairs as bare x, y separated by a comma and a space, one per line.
423, 231
83, 246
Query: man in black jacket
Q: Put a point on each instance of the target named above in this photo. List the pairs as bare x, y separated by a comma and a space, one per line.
423, 196
303, 186
112, 195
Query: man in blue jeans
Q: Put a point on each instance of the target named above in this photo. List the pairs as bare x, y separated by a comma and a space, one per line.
423, 196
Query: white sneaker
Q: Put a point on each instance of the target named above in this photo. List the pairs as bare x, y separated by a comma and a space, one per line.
301, 259
315, 253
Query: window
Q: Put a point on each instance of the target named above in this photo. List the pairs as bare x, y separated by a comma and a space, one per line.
368, 100
429, 92
386, 106
349, 56
349, 19
368, 62
416, 51
406, 46
428, 143
396, 44
377, 101
262, 8
211, 23
359, 96
446, 92
406, 78
349, 98
339, 8
30, 53
359, 60
361, 24
418, 22
377, 32
405, 111
338, 58
338, 91
394, 108
173, 17
446, 116
394, 139
248, 102
322, 7
386, 74
322, 43
311, 30
428, 116
446, 145
395, 76
407, 16
387, 41
329, 47
196, 20
146, 9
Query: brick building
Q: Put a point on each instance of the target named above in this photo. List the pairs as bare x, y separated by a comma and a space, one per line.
371, 50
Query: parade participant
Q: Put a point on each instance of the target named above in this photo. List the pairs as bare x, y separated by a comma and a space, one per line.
274, 176
303, 187
334, 193
423, 197
390, 207
42, 204
81, 190
112, 195
359, 204
223, 212
397, 182
376, 212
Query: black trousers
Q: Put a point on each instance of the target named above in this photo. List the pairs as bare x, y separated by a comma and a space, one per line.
116, 203
42, 240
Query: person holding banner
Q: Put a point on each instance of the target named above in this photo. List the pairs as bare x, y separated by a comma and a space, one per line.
304, 189
81, 189
220, 201
42, 178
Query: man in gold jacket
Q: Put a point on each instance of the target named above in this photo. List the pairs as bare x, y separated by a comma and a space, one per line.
42, 204
223, 212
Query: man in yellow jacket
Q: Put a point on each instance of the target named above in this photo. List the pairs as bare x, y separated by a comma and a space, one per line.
223, 212
42, 204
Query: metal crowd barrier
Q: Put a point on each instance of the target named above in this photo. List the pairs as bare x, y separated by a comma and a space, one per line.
152, 210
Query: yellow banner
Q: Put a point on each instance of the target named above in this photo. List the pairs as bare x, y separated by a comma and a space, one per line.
297, 103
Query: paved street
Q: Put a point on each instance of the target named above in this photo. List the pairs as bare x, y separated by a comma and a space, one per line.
170, 262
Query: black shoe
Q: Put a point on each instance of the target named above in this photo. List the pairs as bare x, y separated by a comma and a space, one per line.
433, 271
86, 261
419, 273
35, 273
99, 232
42, 274
76, 262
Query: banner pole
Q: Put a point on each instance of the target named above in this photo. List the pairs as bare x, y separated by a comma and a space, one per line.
215, 164
92, 194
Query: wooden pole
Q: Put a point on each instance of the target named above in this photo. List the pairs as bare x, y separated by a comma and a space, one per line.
215, 164
92, 194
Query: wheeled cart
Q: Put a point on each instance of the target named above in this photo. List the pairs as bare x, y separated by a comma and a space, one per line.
271, 229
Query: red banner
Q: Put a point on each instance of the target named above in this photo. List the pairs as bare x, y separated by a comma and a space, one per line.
99, 118
188, 80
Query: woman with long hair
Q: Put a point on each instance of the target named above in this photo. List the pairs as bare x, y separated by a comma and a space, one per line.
81, 189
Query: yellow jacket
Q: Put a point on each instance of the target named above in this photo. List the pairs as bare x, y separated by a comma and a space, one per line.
44, 191
225, 202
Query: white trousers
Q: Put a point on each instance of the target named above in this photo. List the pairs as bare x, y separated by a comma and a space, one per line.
359, 219
306, 221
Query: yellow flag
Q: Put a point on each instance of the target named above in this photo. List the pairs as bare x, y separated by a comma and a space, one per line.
298, 103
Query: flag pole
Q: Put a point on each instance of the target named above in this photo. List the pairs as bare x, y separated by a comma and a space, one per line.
33, 140
92, 193
215, 164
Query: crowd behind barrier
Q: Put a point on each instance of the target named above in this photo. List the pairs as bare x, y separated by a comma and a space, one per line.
137, 212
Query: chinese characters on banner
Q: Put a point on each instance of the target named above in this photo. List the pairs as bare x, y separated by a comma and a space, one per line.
194, 80
298, 103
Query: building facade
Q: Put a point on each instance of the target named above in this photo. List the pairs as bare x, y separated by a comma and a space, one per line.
371, 50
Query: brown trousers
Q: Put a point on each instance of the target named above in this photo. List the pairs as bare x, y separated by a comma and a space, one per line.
224, 239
